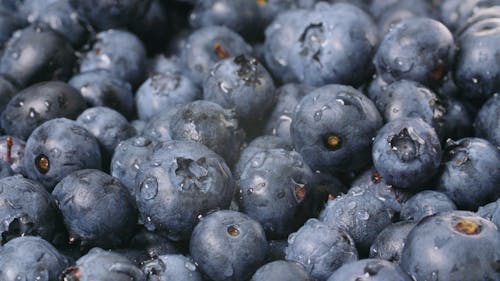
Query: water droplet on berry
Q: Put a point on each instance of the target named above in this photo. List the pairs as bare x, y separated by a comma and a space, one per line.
149, 188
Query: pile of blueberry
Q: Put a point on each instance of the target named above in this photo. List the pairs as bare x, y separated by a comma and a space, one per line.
261, 140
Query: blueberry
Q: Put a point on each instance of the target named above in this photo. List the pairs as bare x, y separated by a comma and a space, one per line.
281, 271
118, 51
406, 152
372, 181
208, 123
5, 170
470, 173
100, 88
164, 92
399, 11
99, 265
62, 18
426, 203
127, 158
333, 127
12, 152
153, 244
329, 44
451, 245
288, 95
9, 23
108, 126
97, 209
171, 267
41, 102
321, 248
181, 182
243, 84
30, 258
259, 144
7, 91
241, 16
57, 148
272, 186
370, 270
206, 46
401, 56
158, 128
228, 245
37, 53
477, 76
390, 242
487, 123
361, 214
26, 209
457, 121
456, 12
411, 99
491, 212
106, 14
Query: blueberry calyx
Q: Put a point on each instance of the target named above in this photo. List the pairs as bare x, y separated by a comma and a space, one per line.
233, 231
405, 144
42, 163
468, 227
220, 51
248, 69
332, 141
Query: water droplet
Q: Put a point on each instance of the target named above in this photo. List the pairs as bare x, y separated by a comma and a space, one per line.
15, 55
351, 205
141, 141
225, 87
228, 271
363, 215
149, 188
317, 115
190, 266
475, 80
291, 238
32, 113
258, 159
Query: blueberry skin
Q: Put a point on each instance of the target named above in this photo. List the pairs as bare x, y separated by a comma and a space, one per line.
390, 242
7, 91
97, 209
26, 209
12, 152
158, 128
30, 258
456, 12
101, 265
153, 244
243, 84
241, 16
372, 181
426, 203
491, 212
120, 52
127, 158
228, 246
336, 112
406, 152
208, 123
457, 121
162, 64
26, 63
151, 27
281, 271
62, 18
487, 123
370, 270
139, 126
400, 55
276, 250
470, 173
411, 99
455, 245
100, 88
171, 267
39, 103
108, 126
259, 144
164, 92
320, 248
331, 44
106, 14
399, 11
181, 182
273, 184
5, 170
359, 213
208, 45
288, 96
9, 23
57, 148
477, 76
